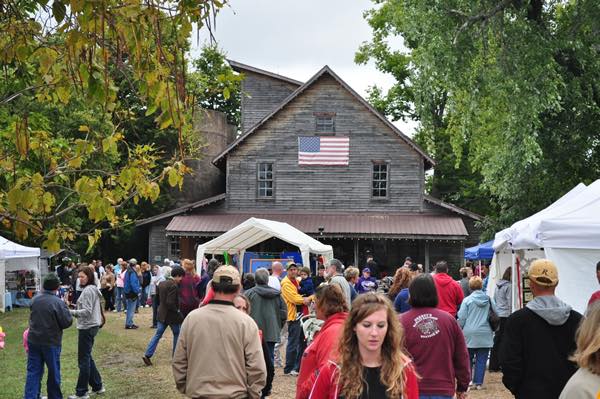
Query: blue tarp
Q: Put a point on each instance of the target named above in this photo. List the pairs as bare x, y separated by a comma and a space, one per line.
481, 251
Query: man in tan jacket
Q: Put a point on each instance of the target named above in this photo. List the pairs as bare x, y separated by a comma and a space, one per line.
219, 353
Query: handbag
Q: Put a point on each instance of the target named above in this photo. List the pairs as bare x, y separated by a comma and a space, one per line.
493, 319
102, 317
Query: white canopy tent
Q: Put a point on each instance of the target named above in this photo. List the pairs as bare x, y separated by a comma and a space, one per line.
254, 231
567, 232
15, 256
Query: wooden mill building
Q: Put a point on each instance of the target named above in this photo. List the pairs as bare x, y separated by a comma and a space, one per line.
366, 197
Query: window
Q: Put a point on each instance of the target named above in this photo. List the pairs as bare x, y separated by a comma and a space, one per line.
325, 123
174, 249
265, 180
380, 180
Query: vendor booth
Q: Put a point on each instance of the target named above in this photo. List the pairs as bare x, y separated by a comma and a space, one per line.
19, 273
481, 251
568, 233
254, 231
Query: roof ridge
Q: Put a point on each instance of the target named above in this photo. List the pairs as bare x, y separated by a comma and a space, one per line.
452, 207
236, 66
298, 91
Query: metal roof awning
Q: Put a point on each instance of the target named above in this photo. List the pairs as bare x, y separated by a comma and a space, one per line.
347, 225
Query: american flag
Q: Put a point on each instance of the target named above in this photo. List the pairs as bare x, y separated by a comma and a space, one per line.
317, 150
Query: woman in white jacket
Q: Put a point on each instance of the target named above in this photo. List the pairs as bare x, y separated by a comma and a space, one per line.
89, 320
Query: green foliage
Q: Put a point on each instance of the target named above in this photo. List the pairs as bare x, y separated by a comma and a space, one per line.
214, 85
506, 91
78, 80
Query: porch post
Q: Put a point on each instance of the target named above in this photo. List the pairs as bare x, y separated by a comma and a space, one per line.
355, 252
426, 256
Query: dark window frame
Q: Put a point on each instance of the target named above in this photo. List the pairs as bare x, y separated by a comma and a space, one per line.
322, 124
174, 243
376, 169
262, 177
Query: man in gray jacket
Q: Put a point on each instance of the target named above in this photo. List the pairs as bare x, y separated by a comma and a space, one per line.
268, 309
335, 274
49, 317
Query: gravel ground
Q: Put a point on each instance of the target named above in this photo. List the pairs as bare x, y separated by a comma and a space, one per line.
284, 387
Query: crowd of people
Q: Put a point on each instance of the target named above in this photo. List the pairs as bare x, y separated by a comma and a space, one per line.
345, 332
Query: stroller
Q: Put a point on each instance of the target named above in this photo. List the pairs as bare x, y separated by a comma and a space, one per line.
310, 326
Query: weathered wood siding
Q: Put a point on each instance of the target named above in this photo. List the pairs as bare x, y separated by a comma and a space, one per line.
325, 188
158, 244
260, 95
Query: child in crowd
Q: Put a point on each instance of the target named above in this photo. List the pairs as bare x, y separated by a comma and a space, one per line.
366, 283
306, 287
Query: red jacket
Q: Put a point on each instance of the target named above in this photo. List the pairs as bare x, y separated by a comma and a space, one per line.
326, 385
321, 350
438, 349
450, 295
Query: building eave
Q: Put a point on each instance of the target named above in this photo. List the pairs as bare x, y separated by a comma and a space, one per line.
183, 209
239, 67
453, 208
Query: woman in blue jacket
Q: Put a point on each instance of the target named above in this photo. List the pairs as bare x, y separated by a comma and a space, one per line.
473, 319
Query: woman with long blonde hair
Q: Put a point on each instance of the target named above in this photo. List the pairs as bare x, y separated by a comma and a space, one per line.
585, 383
372, 362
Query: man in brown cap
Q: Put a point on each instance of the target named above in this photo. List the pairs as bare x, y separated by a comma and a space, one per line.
219, 353
538, 339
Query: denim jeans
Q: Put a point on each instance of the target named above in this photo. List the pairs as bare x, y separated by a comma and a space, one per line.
160, 329
36, 358
119, 298
145, 293
154, 310
292, 357
130, 312
271, 348
88, 373
478, 357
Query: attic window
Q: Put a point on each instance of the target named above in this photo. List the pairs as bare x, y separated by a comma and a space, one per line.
325, 122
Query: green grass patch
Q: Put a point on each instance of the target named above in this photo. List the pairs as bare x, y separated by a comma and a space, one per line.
117, 353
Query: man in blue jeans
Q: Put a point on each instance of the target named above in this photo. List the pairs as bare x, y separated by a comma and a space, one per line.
168, 311
132, 290
294, 302
49, 317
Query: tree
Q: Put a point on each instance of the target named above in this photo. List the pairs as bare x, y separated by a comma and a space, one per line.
64, 142
510, 86
214, 85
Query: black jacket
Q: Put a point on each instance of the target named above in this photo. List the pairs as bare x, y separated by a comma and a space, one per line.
168, 303
49, 317
534, 354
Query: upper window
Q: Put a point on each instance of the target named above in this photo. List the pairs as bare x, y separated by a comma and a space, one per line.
325, 123
265, 180
380, 180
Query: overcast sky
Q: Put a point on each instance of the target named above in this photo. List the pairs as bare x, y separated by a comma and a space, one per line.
296, 38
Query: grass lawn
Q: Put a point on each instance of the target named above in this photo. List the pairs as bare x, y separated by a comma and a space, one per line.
117, 353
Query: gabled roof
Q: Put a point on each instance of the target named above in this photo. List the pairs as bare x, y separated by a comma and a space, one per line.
239, 67
182, 209
452, 208
429, 162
